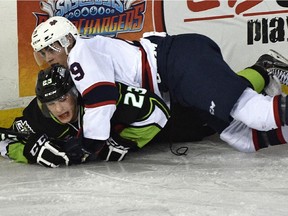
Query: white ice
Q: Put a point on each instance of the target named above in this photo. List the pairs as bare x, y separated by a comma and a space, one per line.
213, 179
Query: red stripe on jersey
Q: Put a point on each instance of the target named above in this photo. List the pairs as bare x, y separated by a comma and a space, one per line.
147, 81
276, 110
100, 104
255, 139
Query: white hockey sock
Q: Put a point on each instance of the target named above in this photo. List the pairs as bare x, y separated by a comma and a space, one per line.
257, 111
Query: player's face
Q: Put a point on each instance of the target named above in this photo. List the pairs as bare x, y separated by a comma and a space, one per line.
53, 54
65, 108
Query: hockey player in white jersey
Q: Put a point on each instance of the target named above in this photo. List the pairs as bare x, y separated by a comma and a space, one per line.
189, 67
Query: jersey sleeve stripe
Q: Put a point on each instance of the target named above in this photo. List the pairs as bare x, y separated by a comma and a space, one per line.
97, 85
100, 94
100, 104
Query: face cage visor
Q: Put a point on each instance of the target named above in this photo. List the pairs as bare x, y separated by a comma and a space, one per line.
52, 49
40, 56
43, 106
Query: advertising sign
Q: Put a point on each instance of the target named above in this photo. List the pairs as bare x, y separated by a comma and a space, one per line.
243, 29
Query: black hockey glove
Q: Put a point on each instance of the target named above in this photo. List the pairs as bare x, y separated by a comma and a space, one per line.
81, 150
129, 144
75, 151
38, 149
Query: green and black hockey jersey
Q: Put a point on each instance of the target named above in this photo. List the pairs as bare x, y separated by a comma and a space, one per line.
139, 116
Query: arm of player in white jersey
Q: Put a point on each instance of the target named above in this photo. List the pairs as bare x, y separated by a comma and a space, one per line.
96, 122
93, 75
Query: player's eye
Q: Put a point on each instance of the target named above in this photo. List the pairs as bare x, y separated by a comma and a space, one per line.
50, 103
42, 53
54, 47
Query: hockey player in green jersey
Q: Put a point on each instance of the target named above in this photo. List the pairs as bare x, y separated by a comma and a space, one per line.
54, 122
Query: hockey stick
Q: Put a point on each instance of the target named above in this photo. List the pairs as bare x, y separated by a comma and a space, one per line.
23, 135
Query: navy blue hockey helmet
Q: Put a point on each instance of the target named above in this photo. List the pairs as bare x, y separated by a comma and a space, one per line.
53, 83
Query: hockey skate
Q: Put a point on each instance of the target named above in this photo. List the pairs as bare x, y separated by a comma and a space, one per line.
275, 64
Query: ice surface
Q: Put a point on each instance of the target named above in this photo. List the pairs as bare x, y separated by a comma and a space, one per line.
213, 179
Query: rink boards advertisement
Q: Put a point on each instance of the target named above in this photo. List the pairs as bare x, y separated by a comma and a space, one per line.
126, 19
243, 29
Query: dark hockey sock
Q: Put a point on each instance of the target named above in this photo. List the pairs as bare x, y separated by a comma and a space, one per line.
263, 139
282, 109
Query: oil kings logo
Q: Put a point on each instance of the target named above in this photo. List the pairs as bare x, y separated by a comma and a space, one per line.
97, 17
23, 126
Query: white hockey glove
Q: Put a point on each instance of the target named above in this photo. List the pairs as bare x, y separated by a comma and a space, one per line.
39, 149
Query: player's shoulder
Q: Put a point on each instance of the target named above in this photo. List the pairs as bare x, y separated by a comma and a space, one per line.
84, 44
32, 107
95, 39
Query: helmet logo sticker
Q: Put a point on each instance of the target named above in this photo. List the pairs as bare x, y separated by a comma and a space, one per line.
53, 22
50, 93
47, 82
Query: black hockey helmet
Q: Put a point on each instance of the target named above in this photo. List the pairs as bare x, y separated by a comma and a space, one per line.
53, 83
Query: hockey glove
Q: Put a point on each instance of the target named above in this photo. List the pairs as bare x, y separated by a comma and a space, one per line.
81, 150
129, 144
38, 149
75, 151
112, 151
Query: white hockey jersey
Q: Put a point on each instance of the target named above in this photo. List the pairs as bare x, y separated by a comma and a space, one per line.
96, 64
